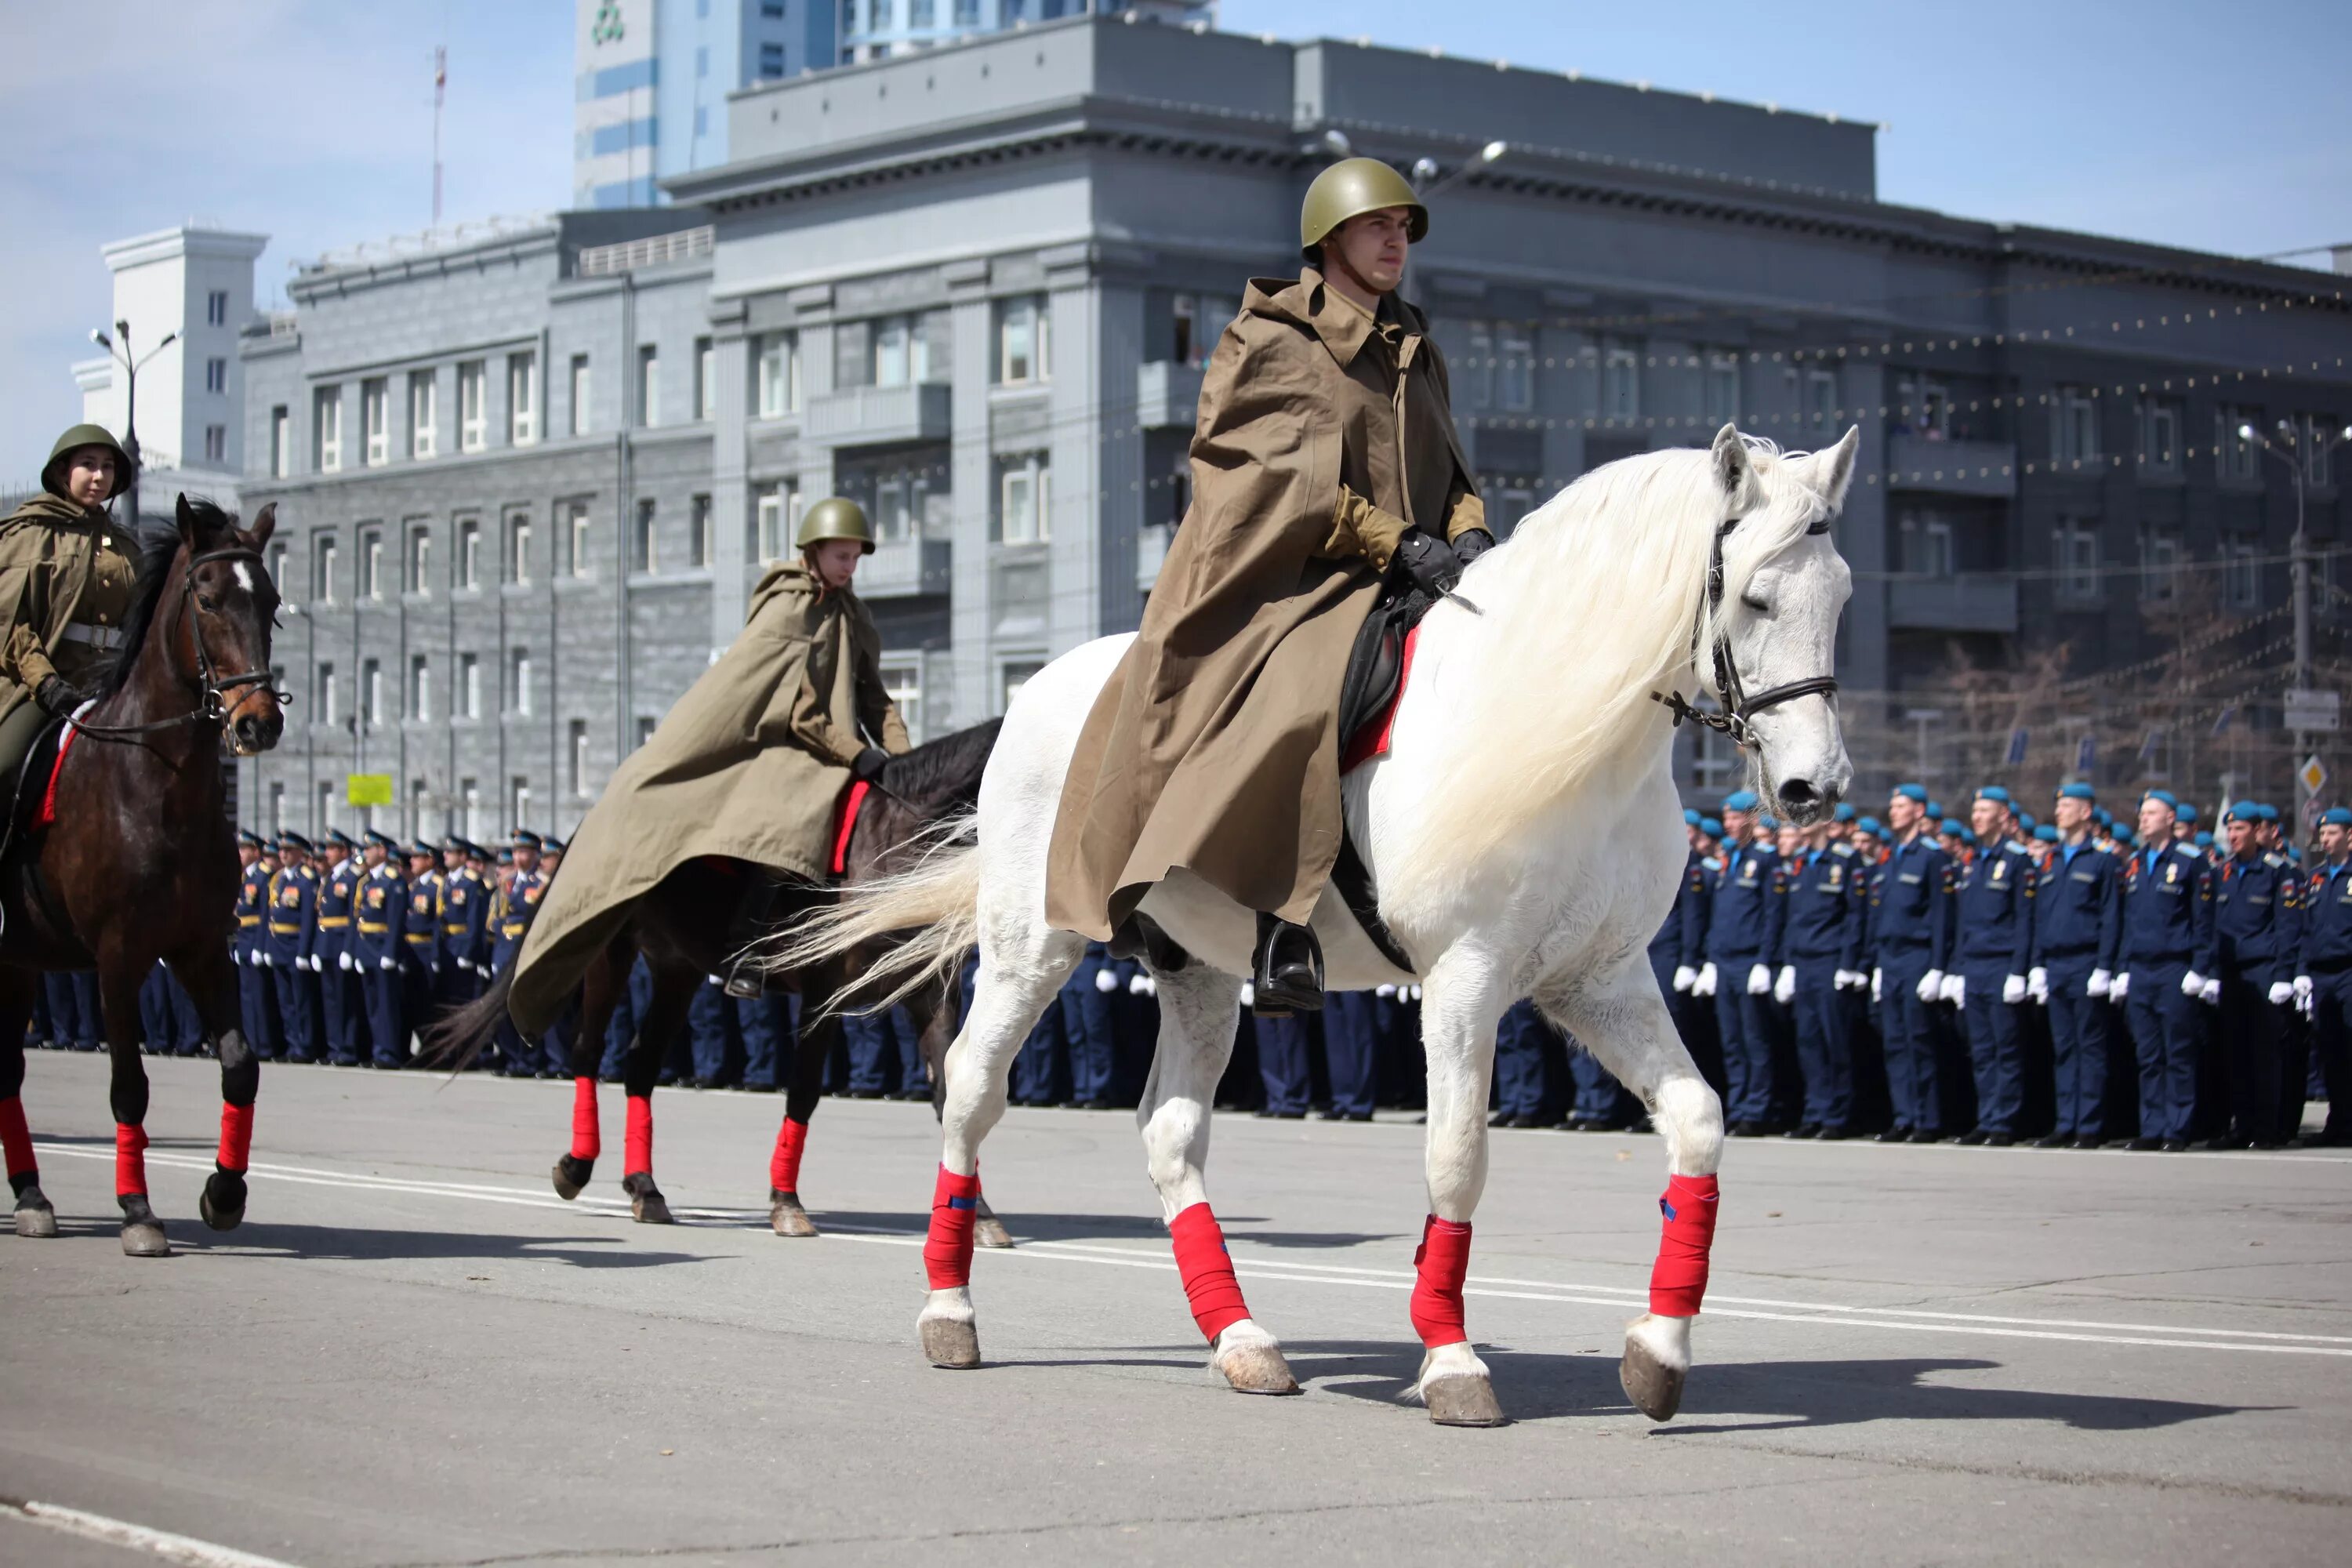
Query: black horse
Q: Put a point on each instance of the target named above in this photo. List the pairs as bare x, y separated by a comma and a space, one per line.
681, 927
139, 860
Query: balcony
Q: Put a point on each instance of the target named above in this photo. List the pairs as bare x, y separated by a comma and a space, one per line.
1951, 468
1964, 603
878, 416
902, 568
1167, 394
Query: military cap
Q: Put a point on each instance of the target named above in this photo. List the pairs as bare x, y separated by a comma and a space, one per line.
524, 838
1993, 793
424, 847
2187, 812
2047, 834
1936, 809
2028, 821
452, 844
337, 838
1913, 792
1869, 825
506, 856
2165, 795
1769, 822
1690, 817
375, 838
2203, 840
1710, 827
1950, 827
1741, 800
551, 844
1350, 188
2336, 817
475, 851
246, 839
2269, 813
2126, 836
295, 841
1843, 812
2079, 792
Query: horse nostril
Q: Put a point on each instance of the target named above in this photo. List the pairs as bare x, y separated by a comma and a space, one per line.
1798, 793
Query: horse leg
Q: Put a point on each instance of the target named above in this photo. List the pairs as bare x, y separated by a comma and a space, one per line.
1021, 966
599, 989
35, 1217
211, 981
1197, 1015
657, 1030
142, 1232
803, 1087
1625, 1026
933, 1011
1461, 1006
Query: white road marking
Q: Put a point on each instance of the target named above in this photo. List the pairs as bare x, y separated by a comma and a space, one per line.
1294, 1271
161, 1543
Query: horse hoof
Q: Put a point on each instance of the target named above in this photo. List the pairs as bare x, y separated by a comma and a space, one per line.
222, 1202
35, 1219
1257, 1367
950, 1342
571, 1175
1462, 1402
145, 1239
648, 1206
785, 1215
1655, 1388
989, 1231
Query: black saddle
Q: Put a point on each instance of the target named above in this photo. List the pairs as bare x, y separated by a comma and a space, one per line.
24, 785
1376, 662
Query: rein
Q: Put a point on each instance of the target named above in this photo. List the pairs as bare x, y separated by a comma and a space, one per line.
216, 688
1738, 706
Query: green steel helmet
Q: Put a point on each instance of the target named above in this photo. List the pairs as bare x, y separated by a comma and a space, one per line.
1350, 188
53, 472
835, 517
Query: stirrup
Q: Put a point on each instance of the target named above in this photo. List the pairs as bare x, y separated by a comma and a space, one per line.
1296, 985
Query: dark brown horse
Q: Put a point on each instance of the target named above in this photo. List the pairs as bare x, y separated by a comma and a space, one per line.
140, 862
683, 930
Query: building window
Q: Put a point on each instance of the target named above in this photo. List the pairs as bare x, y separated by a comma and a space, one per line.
420, 689
1720, 393
2234, 455
649, 385
473, 431
322, 568
469, 802
1478, 368
518, 682
780, 374
424, 413
375, 423
522, 402
967, 13
1185, 322
706, 392
1621, 380
469, 553
2159, 562
1924, 545
646, 722
1518, 368
577, 559
326, 815
2159, 436
326, 683
2074, 427
216, 308
420, 558
371, 693
470, 686
519, 548
1716, 760
1016, 674
775, 517
215, 375
2076, 547
580, 389
578, 758
644, 554
1512, 503
2315, 436
326, 429
1821, 401
1922, 408
2241, 574
372, 563
519, 800
1025, 341
216, 443
281, 441
771, 62
902, 678
698, 532
1025, 515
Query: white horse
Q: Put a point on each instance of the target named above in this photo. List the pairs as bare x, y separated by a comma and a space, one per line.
1526, 840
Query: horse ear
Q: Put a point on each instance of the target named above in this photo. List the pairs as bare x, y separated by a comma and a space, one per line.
1838, 476
264, 525
1734, 470
186, 516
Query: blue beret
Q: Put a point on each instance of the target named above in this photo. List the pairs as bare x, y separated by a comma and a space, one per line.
2269, 813
1936, 809
1710, 827
1741, 800
2102, 817
1843, 812
2028, 821
1869, 825
2126, 836
2186, 811
2244, 811
2047, 834
1768, 824
1969, 836
2165, 795
1913, 792
1993, 793
1950, 827
1690, 817
2077, 792
2204, 840
2336, 817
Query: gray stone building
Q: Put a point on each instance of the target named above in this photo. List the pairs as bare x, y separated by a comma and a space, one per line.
974, 288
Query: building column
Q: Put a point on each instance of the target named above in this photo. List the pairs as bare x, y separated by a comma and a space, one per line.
731, 491
970, 478
814, 311
1078, 408
1862, 540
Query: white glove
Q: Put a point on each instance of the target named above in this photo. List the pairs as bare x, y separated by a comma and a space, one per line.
1684, 977
1760, 978
1144, 985
1704, 984
1784, 989
483, 970
2210, 994
2282, 993
387, 963
2037, 983
262, 961
318, 965
1415, 992
2103, 984
1848, 979
1385, 993
2191, 983
1105, 982
1249, 994
2303, 988
1931, 986
2120, 987
2012, 989
344, 960
1877, 982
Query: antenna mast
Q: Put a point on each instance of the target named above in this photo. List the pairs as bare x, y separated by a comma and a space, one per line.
440, 85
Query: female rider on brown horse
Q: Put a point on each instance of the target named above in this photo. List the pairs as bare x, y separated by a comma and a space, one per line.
65, 574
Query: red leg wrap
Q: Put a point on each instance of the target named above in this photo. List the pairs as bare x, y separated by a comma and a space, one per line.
947, 1251
15, 1138
784, 1165
237, 1137
1442, 1261
130, 1159
1679, 1282
639, 1153
587, 1140
1208, 1271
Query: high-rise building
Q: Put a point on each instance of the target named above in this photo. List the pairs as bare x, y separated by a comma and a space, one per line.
877, 29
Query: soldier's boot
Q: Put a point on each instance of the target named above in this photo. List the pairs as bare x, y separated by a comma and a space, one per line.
1286, 968
754, 912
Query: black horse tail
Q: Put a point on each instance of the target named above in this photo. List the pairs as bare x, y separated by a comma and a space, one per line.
467, 1032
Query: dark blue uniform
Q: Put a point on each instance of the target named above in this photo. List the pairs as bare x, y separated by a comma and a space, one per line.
464, 937
339, 984
255, 1003
420, 941
1825, 898
1743, 932
1995, 917
2327, 960
2078, 932
511, 912
379, 928
2167, 920
1090, 1020
2257, 940
1356, 1027
288, 941
1681, 943
1910, 937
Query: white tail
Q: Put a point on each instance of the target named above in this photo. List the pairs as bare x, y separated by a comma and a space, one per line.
926, 918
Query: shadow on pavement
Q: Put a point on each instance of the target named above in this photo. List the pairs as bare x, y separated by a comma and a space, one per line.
317, 1243
1028, 1227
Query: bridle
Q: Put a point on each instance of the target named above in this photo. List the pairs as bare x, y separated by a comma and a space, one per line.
217, 689
1738, 706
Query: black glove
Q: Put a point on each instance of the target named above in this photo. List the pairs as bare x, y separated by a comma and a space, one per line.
1471, 544
59, 697
1426, 562
869, 765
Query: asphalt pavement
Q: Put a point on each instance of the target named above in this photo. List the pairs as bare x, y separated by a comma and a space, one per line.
414, 1353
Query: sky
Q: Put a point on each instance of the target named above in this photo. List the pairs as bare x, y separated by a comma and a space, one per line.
2215, 126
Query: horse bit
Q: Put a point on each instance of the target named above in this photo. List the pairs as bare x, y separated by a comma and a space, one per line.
217, 686
1739, 708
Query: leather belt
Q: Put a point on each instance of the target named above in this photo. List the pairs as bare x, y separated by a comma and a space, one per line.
106, 639
334, 922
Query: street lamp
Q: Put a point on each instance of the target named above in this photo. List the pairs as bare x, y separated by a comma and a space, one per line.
131, 368
1427, 181
2302, 461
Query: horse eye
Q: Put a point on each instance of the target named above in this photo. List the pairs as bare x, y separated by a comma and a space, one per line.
1755, 604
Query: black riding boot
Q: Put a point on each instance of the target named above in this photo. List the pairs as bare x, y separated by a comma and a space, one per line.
1287, 968
755, 912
